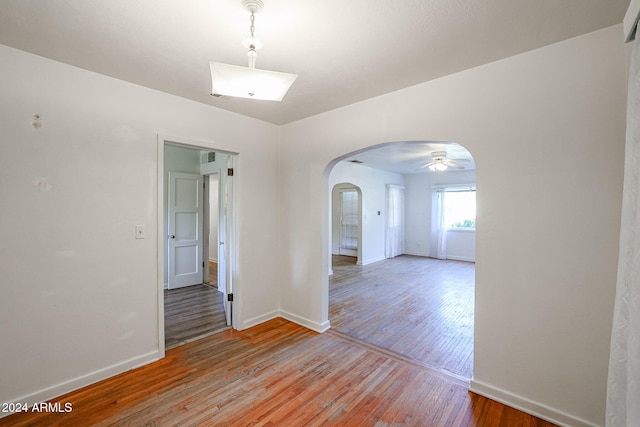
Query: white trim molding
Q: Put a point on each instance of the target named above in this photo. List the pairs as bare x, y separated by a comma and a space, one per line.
371, 260
299, 320
461, 258
630, 21
307, 323
249, 323
63, 388
529, 406
416, 253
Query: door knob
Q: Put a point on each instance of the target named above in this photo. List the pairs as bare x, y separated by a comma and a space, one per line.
173, 236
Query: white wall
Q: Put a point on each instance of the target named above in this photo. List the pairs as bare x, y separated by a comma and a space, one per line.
537, 125
418, 215
80, 294
82, 303
461, 244
372, 183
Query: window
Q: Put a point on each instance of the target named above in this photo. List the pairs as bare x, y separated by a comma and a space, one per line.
460, 209
349, 220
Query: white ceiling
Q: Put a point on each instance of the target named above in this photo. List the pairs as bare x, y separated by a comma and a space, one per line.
409, 157
343, 50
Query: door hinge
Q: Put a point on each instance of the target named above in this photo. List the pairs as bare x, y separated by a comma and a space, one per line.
230, 172
203, 263
230, 297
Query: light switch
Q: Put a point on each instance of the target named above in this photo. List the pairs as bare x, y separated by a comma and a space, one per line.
140, 232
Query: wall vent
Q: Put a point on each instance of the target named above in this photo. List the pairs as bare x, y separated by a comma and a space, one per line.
209, 157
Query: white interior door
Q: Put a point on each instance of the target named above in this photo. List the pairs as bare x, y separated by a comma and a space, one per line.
225, 251
349, 222
185, 230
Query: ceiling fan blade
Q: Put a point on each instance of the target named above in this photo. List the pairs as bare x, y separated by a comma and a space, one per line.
426, 165
459, 160
453, 164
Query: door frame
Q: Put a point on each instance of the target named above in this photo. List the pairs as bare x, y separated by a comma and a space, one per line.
234, 259
348, 252
206, 240
334, 197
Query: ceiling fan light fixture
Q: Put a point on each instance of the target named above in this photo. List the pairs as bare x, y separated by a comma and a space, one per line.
250, 82
440, 162
438, 166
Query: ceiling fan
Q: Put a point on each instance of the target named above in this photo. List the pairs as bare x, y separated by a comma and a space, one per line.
440, 162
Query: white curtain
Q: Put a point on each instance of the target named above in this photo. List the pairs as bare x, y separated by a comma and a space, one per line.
438, 226
623, 386
395, 221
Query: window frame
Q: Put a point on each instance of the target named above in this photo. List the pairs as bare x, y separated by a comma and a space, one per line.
453, 188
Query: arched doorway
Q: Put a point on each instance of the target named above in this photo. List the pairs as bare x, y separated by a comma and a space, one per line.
414, 305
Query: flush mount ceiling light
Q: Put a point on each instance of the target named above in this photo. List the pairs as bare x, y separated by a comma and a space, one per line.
250, 82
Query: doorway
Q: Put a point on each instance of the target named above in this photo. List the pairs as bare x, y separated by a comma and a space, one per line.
348, 242
346, 222
400, 298
197, 242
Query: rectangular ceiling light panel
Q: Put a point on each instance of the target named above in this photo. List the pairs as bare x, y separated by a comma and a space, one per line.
252, 83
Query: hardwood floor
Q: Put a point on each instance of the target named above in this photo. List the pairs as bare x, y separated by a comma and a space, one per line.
193, 312
279, 374
419, 308
375, 367
213, 273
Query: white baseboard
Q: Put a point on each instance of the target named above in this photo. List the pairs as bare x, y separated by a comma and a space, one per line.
57, 390
258, 320
302, 321
416, 253
529, 406
461, 258
426, 254
372, 260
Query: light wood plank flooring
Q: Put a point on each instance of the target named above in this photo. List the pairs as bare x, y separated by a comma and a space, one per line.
419, 308
193, 312
279, 374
